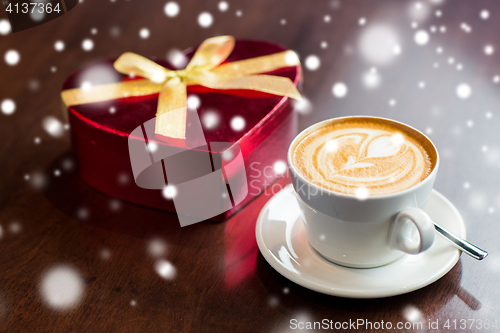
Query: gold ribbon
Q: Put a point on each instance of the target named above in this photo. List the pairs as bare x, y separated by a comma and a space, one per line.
204, 69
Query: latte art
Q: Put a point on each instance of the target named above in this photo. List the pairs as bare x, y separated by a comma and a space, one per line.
362, 157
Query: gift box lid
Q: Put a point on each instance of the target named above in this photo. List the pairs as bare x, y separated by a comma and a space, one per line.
226, 116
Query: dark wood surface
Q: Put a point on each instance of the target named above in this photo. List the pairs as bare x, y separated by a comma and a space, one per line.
107, 249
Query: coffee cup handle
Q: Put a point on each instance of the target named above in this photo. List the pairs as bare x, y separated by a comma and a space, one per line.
403, 236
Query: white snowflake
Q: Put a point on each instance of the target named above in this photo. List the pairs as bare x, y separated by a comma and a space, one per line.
238, 123
331, 146
210, 120
115, 31
418, 11
484, 14
34, 85
8, 106
152, 146
38, 180
4, 27
59, 45
273, 301
144, 33
465, 27
157, 247
87, 44
377, 44
115, 205
463, 91
193, 102
82, 213
411, 313
223, 6
171, 9
489, 49
177, 58
303, 107
53, 126
279, 168
165, 269
421, 37
15, 227
339, 90
86, 86
477, 201
396, 49
169, 192
123, 178
312, 62
37, 15
205, 19
12, 57
361, 193
371, 79
62, 287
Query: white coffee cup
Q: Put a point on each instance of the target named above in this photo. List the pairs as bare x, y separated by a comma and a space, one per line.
370, 232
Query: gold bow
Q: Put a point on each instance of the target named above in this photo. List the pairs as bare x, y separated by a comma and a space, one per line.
204, 69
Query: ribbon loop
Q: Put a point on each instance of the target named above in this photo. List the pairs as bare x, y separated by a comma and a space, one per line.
212, 52
134, 64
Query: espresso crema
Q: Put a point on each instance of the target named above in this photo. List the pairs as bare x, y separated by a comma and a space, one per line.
364, 155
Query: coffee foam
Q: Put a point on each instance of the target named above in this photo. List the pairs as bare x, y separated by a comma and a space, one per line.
359, 155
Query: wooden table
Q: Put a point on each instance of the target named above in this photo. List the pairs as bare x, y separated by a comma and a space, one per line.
58, 234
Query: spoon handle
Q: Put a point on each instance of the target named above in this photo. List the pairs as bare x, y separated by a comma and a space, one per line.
462, 244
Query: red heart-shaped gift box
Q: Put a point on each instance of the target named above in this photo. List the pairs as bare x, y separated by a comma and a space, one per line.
100, 131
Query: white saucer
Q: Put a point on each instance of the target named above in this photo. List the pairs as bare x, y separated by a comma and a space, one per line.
282, 241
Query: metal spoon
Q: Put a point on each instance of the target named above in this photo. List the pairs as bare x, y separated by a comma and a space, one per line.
462, 244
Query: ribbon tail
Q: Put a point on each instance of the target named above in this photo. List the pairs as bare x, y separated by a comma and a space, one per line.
275, 85
108, 92
171, 113
258, 65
